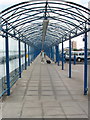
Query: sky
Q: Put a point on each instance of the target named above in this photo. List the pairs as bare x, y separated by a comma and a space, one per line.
7, 3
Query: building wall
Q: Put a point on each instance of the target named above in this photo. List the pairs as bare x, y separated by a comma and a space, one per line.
74, 45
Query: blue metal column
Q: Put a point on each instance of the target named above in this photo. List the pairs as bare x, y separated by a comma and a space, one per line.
69, 56
34, 54
25, 58
28, 55
62, 56
31, 54
57, 54
19, 46
85, 64
51, 53
48, 53
74, 59
7, 62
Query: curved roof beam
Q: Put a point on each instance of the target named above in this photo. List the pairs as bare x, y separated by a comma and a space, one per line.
64, 17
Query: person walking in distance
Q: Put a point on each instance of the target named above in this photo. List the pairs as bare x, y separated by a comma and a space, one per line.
42, 56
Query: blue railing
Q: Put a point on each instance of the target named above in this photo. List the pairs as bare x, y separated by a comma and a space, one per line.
14, 76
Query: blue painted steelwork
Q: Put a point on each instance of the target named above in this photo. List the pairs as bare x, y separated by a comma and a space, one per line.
31, 54
25, 56
49, 53
51, 56
52, 53
74, 59
85, 64
19, 46
34, 53
69, 56
7, 63
57, 54
45, 17
62, 56
69, 16
28, 55
24, 22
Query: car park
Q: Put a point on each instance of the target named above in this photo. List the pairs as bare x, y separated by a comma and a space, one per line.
78, 54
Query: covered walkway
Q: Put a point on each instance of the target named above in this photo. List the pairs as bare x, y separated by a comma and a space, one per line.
44, 91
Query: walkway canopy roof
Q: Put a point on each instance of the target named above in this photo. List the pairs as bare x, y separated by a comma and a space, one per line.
25, 21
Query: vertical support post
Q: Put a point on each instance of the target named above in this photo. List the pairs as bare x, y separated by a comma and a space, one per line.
19, 46
74, 59
7, 62
28, 55
85, 63
48, 53
25, 58
69, 56
57, 54
62, 56
46, 10
51, 53
33, 54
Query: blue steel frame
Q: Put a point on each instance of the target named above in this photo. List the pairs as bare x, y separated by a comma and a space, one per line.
32, 35
64, 30
74, 59
28, 55
7, 63
19, 46
85, 64
57, 54
62, 56
70, 57
25, 56
35, 53
49, 53
51, 56
31, 54
52, 53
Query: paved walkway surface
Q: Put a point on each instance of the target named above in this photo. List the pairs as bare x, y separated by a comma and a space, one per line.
45, 91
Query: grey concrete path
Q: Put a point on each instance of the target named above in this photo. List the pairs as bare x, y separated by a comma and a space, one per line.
45, 91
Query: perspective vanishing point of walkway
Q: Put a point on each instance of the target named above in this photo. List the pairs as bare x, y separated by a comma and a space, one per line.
45, 91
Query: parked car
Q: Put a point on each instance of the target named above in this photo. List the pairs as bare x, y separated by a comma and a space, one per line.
79, 55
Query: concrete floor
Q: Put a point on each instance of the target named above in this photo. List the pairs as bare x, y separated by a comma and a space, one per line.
45, 91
